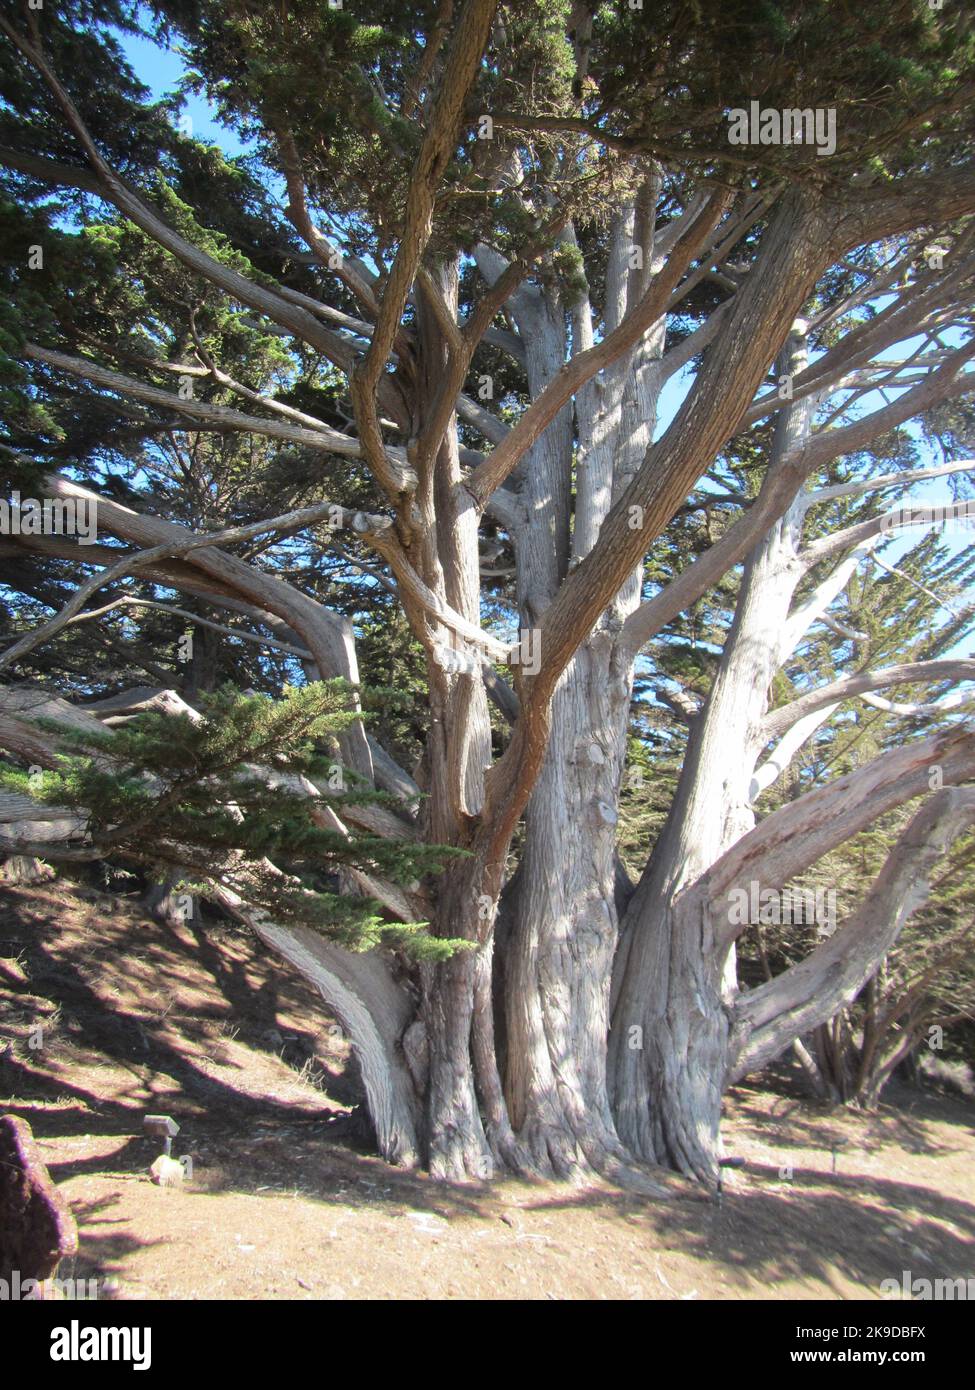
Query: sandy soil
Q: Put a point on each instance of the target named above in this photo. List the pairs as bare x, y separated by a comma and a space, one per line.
106, 1016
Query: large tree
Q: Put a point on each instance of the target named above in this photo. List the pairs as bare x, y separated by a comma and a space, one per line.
434, 322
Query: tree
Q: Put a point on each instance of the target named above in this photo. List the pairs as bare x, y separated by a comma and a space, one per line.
468, 258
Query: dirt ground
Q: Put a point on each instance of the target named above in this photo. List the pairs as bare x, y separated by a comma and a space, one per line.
106, 1016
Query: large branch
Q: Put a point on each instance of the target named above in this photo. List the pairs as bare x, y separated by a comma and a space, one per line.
178, 574
767, 1019
795, 249
947, 380
864, 531
799, 833
789, 263
897, 322
373, 1010
350, 275
359, 987
328, 637
286, 524
814, 607
777, 761
891, 208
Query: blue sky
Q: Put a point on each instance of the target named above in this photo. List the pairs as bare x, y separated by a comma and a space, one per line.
161, 70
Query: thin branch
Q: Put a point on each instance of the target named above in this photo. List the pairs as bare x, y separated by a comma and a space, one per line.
300, 219
908, 673
287, 523
322, 437
129, 601
111, 187
857, 489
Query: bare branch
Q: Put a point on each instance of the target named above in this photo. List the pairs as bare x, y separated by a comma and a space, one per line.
287, 523
768, 1018
321, 437
584, 365
911, 475
130, 601
799, 833
909, 673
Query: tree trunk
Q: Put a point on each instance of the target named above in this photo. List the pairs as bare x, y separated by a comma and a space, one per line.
559, 957
445, 554
670, 1024
559, 960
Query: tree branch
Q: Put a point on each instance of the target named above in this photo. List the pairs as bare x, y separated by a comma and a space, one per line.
275, 306
584, 365
285, 524
321, 437
439, 143
909, 673
768, 1018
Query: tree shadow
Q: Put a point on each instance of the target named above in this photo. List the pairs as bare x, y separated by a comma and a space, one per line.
905, 1119
128, 1042
812, 1227
104, 1241
155, 952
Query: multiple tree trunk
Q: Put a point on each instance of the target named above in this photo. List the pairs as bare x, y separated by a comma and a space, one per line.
582, 1034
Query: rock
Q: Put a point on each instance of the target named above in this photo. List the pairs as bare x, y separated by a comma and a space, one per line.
37, 1229
166, 1172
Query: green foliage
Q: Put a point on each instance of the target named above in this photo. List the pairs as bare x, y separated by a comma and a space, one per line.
217, 797
667, 74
